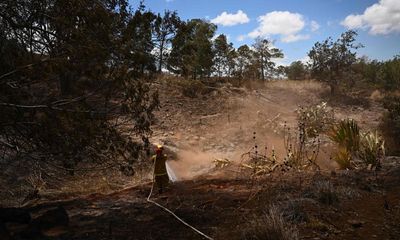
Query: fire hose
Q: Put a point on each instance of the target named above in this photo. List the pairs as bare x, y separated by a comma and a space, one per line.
172, 213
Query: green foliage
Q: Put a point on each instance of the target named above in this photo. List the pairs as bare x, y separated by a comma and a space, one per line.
382, 74
244, 65
369, 148
390, 124
191, 53
165, 28
224, 55
296, 71
263, 52
316, 119
390, 74
331, 61
343, 158
221, 51
138, 43
346, 134
369, 70
73, 68
372, 149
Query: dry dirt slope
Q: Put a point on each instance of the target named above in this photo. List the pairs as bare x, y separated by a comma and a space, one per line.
347, 205
221, 124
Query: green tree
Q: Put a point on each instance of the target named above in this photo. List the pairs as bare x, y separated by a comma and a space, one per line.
331, 61
67, 73
244, 60
138, 41
224, 55
191, 53
264, 52
232, 56
165, 28
390, 74
369, 70
296, 71
281, 71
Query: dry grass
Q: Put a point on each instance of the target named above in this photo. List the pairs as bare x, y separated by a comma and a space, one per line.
326, 192
270, 226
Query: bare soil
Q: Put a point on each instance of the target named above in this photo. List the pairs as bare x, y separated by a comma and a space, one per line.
225, 203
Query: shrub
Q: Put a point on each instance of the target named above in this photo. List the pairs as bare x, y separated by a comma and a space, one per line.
295, 212
390, 73
346, 134
326, 193
192, 88
372, 149
343, 158
270, 226
390, 124
316, 119
300, 152
368, 148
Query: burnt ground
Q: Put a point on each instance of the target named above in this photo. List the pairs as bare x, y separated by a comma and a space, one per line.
226, 203
356, 205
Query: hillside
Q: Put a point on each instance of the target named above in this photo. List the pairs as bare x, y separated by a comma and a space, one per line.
227, 203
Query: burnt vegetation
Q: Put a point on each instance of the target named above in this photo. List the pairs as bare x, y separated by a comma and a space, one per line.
79, 92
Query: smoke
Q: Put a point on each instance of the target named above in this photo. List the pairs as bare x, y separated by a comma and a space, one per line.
254, 119
192, 163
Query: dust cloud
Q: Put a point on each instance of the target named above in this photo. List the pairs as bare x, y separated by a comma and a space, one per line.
256, 118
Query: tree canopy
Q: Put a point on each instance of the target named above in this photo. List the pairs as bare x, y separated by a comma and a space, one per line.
331, 61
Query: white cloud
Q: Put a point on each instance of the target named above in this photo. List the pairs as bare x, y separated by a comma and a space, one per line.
353, 21
286, 24
230, 19
294, 38
380, 18
314, 26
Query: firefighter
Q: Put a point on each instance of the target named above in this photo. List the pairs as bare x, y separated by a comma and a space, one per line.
160, 171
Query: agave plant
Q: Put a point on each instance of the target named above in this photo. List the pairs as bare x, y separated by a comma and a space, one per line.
343, 158
347, 135
372, 149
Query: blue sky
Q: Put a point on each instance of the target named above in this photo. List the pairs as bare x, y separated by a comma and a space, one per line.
295, 25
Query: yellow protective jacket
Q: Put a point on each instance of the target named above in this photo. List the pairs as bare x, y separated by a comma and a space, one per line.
159, 166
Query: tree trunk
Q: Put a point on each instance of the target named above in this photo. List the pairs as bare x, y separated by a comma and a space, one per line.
262, 68
160, 63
